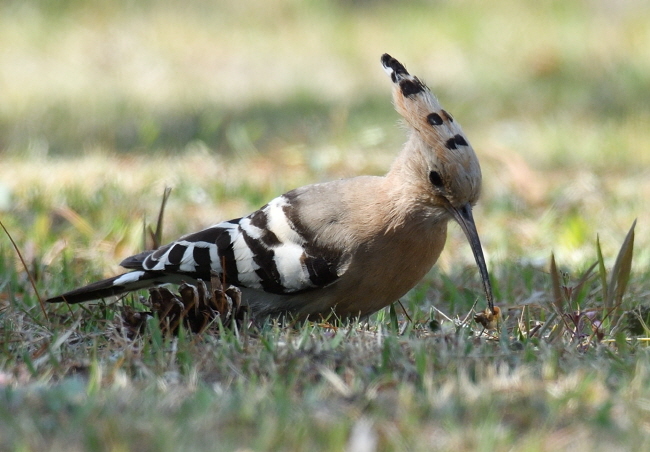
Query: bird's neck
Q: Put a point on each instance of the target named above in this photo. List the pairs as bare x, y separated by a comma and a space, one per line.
408, 189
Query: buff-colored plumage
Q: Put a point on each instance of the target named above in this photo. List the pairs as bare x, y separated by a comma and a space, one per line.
347, 247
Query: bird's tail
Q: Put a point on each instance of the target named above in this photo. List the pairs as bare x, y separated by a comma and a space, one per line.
117, 285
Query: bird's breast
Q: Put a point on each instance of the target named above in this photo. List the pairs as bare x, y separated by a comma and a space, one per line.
386, 268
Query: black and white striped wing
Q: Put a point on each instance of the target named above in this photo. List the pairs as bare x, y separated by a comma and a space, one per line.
265, 250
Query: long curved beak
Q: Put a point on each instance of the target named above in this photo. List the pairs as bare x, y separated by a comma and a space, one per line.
463, 215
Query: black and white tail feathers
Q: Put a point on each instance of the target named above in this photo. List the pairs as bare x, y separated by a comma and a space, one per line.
116, 285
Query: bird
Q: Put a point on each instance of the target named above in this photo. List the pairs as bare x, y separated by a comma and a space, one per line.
348, 247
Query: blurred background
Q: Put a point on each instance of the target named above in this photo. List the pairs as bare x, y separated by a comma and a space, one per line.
232, 102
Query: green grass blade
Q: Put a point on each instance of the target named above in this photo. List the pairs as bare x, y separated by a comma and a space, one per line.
29, 274
621, 272
581, 282
394, 323
602, 271
161, 214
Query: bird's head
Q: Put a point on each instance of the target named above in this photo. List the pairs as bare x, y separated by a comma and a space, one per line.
440, 157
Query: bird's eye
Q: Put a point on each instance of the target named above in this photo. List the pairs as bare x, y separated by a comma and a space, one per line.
436, 180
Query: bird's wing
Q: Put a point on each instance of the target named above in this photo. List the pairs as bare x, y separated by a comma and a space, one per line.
270, 249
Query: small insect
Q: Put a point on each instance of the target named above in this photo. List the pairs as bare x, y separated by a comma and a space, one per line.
489, 319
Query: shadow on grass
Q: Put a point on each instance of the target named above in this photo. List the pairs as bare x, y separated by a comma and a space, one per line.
126, 128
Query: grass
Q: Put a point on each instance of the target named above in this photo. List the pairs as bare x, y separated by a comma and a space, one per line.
230, 104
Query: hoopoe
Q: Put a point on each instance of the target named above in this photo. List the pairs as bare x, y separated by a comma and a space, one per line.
348, 247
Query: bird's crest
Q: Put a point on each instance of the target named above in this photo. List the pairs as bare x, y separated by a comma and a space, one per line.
421, 109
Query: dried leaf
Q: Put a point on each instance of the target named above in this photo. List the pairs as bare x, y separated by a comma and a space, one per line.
558, 300
134, 321
596, 327
195, 307
638, 320
189, 296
